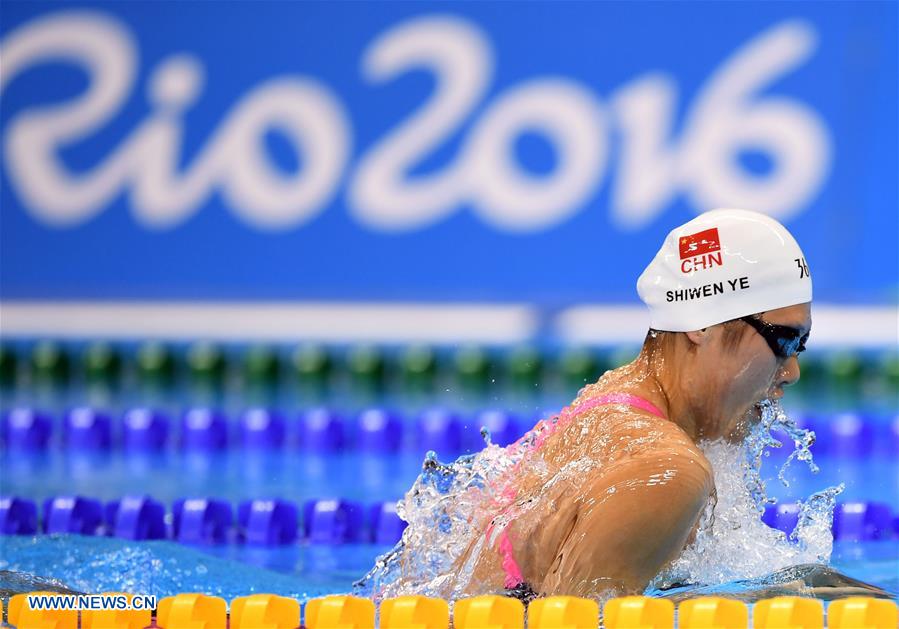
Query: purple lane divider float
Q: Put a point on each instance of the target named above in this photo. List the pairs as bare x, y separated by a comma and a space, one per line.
17, 516
321, 431
332, 521
144, 429
862, 521
201, 521
73, 514
136, 517
204, 429
386, 527
262, 429
441, 431
378, 430
267, 522
849, 435
782, 517
891, 443
86, 428
27, 429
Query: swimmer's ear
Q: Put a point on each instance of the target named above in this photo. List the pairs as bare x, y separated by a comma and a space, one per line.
699, 337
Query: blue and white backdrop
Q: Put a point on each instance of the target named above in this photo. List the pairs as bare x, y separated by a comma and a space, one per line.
485, 171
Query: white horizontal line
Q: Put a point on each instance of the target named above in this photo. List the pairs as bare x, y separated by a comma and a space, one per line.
833, 326
847, 326
270, 321
602, 325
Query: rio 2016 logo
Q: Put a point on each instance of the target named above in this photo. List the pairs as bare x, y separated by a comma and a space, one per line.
731, 112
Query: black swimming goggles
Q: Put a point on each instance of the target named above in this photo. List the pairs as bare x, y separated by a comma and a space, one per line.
783, 340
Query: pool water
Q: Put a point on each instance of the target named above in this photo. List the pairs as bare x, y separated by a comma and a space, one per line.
303, 570
163, 568
236, 475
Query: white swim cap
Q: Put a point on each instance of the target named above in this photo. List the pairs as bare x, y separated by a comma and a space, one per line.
723, 265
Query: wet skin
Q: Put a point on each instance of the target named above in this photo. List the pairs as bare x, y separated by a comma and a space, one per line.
616, 494
715, 387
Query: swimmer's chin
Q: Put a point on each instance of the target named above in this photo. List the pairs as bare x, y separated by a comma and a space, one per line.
748, 421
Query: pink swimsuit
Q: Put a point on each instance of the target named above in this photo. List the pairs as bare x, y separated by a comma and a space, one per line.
514, 578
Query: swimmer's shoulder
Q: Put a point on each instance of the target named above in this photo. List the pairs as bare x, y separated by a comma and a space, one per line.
645, 433
653, 437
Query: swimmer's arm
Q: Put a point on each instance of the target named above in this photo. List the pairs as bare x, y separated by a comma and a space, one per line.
815, 580
632, 520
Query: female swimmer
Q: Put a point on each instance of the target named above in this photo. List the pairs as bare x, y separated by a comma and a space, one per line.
614, 493
602, 497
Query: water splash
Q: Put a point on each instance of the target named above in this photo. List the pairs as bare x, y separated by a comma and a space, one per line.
449, 506
446, 509
84, 563
732, 542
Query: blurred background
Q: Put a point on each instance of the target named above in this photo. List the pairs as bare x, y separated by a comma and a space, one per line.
264, 255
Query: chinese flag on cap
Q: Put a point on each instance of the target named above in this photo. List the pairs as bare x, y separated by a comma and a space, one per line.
699, 243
